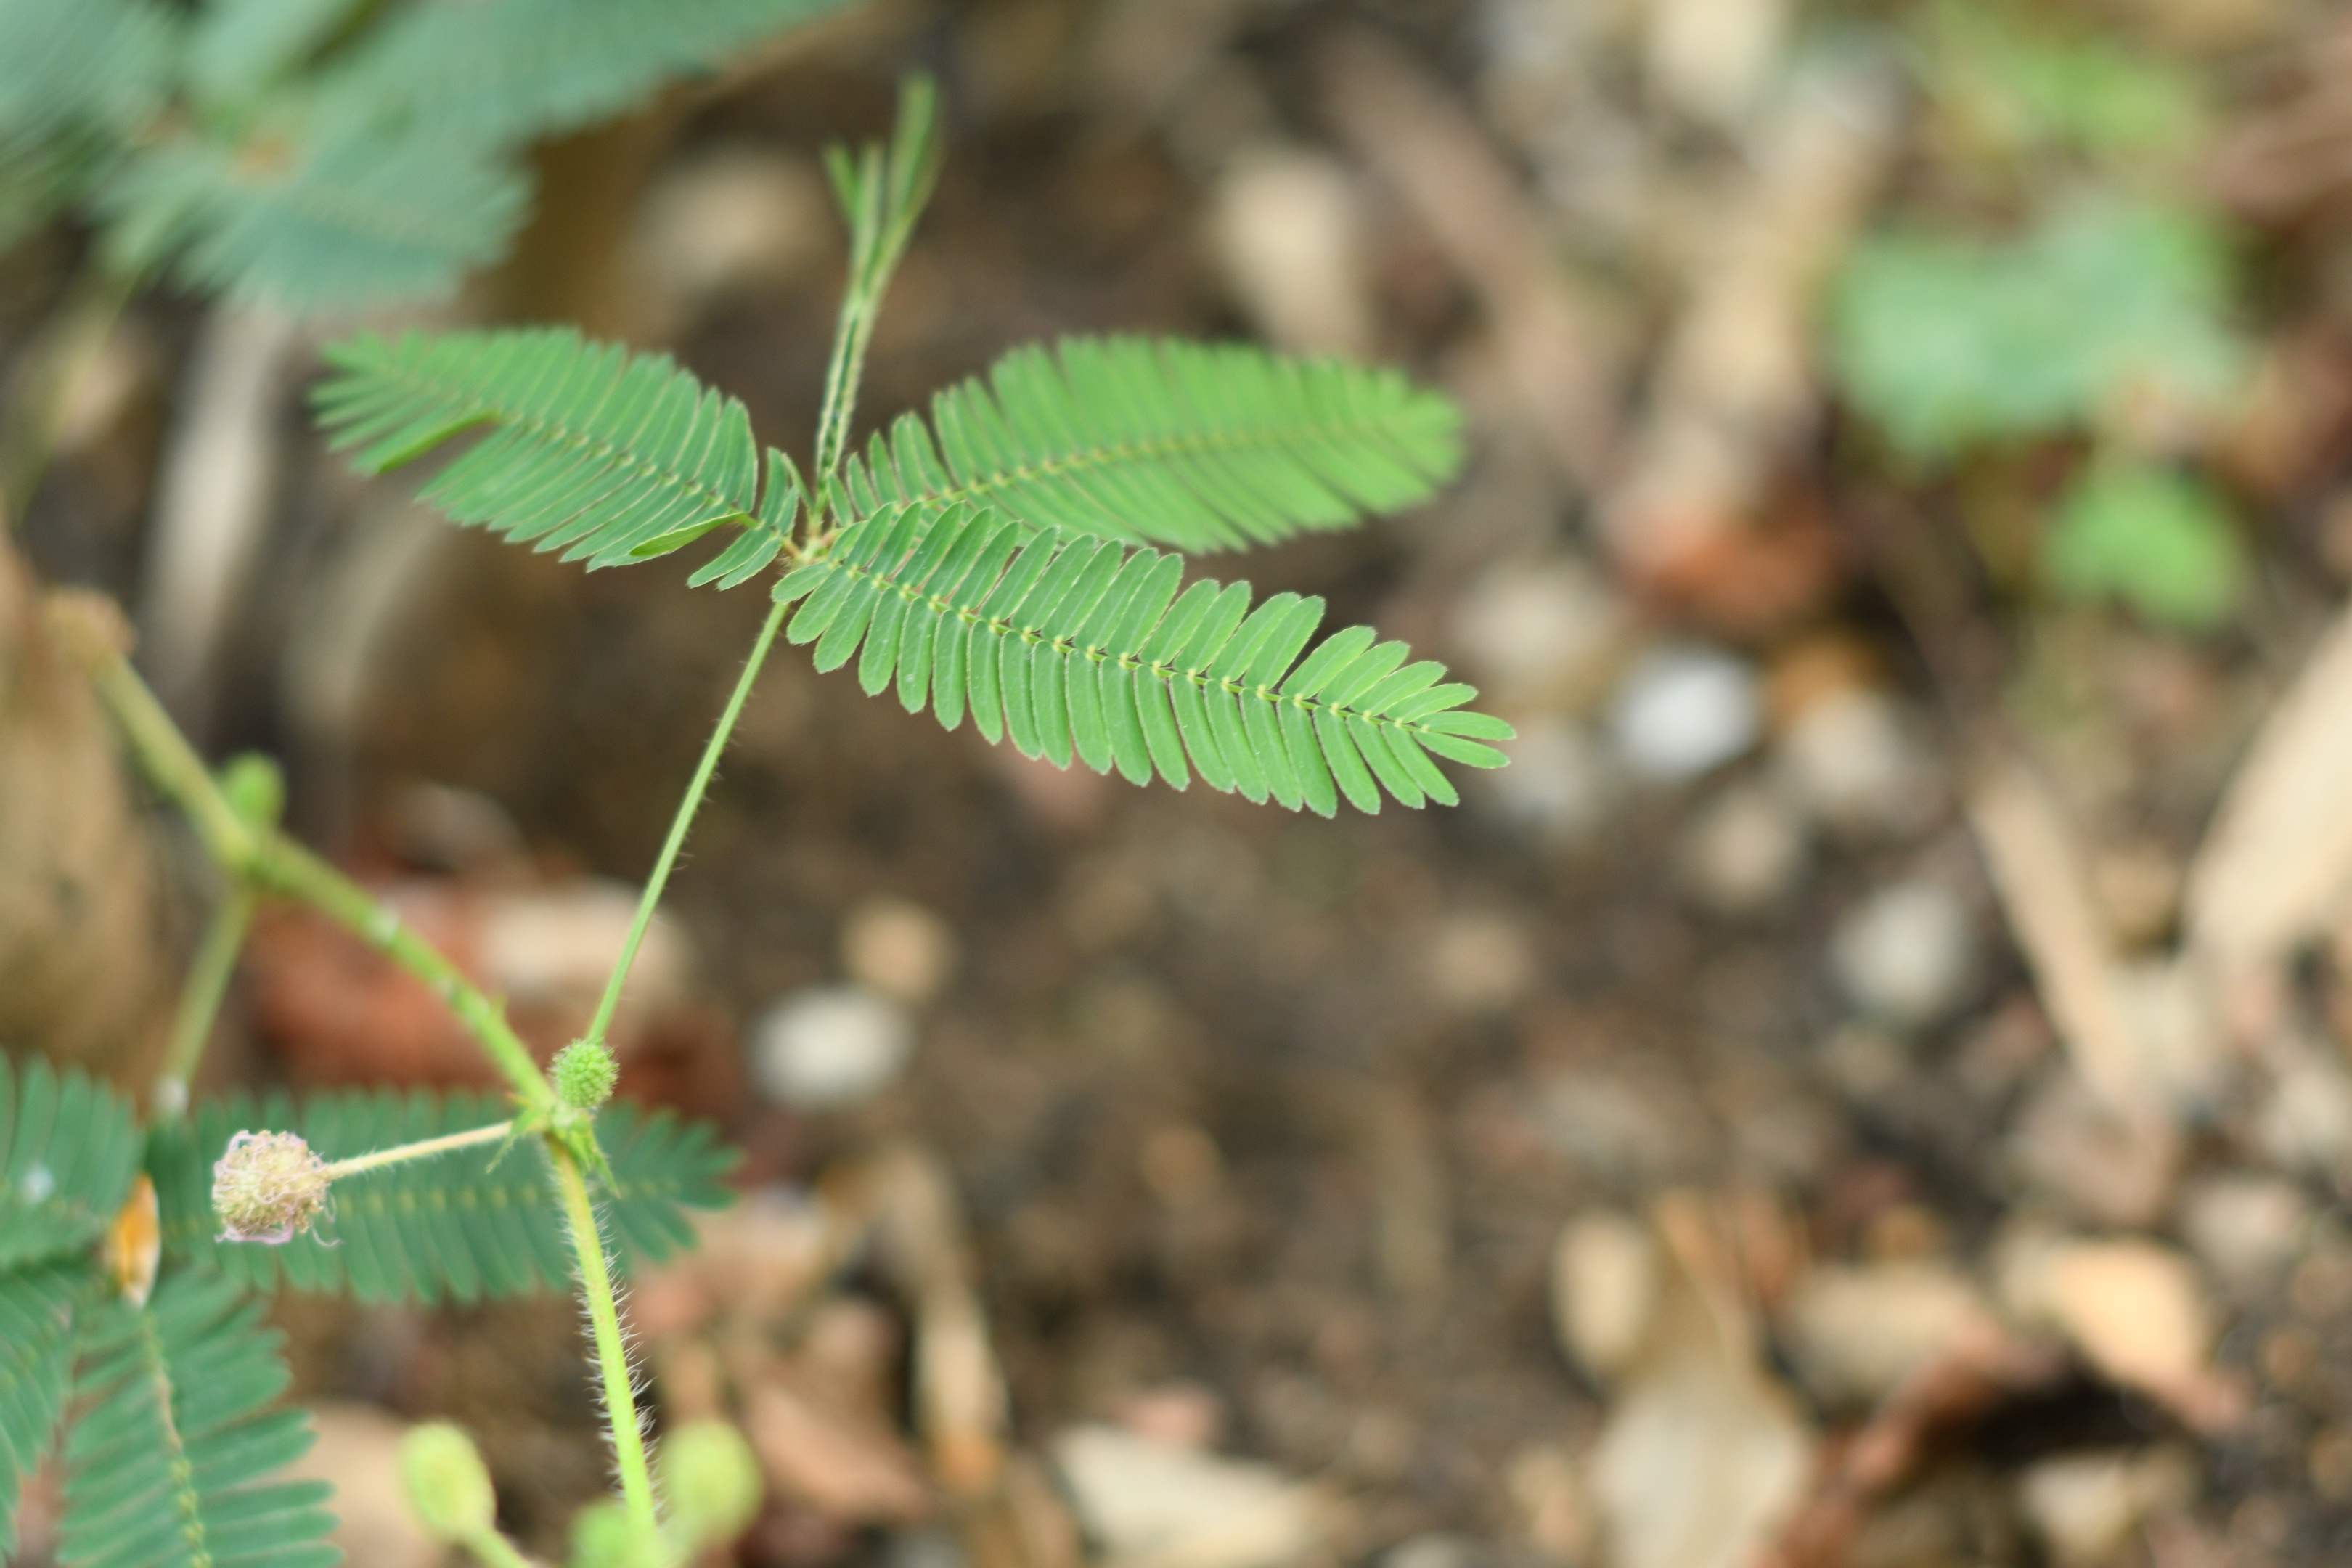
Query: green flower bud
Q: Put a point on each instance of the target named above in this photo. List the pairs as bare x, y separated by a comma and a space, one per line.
449, 1487
585, 1075
255, 788
712, 1481
602, 1538
268, 1186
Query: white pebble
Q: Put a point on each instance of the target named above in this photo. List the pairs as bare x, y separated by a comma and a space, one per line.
1684, 712
829, 1047
1906, 954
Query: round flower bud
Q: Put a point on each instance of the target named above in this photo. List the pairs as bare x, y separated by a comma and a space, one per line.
585, 1075
268, 1186
448, 1485
602, 1538
712, 1481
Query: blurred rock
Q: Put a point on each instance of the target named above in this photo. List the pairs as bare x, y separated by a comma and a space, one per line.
1184, 1415
1541, 633
358, 1450
1685, 710
1604, 1286
829, 1047
2087, 1508
727, 220
1144, 1502
2071, 1145
1480, 961
898, 948
2246, 1228
1435, 1551
842, 1459
1562, 785
1287, 230
1906, 954
1744, 852
1546, 1484
1857, 1333
1858, 761
1708, 58
2305, 1117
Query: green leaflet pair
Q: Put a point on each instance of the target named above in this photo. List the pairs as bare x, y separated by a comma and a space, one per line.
980, 561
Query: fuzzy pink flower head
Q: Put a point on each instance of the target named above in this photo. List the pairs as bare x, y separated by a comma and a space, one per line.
268, 1187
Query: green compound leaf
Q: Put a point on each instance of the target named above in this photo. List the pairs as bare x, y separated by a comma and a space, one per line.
607, 456
511, 70
324, 216
87, 65
1196, 447
38, 1306
1946, 343
169, 1461
68, 1149
2161, 544
1077, 647
467, 1224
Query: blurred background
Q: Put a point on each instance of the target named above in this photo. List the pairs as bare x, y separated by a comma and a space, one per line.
1868, 1085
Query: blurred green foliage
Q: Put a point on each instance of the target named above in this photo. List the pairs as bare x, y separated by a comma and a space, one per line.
2160, 542
1944, 344
2016, 84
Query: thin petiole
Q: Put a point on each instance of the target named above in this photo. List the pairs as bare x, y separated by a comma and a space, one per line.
200, 1001
684, 819
423, 1149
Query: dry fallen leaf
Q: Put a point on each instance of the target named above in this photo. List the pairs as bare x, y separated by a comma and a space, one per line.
846, 1464
2134, 1310
1149, 1504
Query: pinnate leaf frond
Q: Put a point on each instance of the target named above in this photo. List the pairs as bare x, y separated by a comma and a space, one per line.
316, 216
474, 1223
513, 70
38, 1306
1072, 646
169, 1459
87, 65
68, 1149
606, 456
1192, 446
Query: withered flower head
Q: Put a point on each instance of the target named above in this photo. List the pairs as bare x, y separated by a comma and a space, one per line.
268, 1186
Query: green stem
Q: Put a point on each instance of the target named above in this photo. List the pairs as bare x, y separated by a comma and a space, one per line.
271, 862
200, 1002
423, 1149
612, 1353
687, 808
51, 372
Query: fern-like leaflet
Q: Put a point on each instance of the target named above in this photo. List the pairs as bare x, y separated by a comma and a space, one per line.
1074, 646
473, 1222
606, 456
1199, 447
169, 1463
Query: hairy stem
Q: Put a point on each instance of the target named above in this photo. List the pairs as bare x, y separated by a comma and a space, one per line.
687, 808
423, 1149
268, 861
612, 1353
200, 1001
495, 1551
